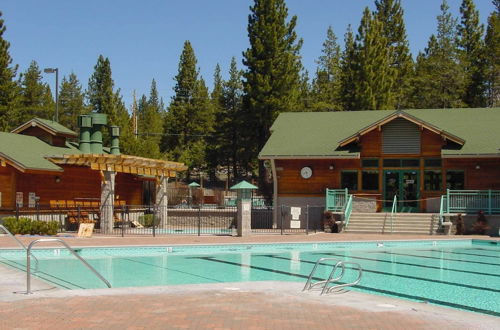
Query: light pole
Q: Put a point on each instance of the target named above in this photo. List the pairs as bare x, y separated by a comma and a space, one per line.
56, 70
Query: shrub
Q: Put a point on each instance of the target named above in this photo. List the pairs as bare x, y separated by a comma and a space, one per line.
147, 220
25, 226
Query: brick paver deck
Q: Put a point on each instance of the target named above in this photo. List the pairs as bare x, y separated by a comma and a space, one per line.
266, 305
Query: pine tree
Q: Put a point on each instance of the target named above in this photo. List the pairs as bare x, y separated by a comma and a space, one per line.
36, 97
71, 102
373, 81
390, 14
273, 65
326, 84
150, 117
100, 92
190, 117
232, 128
471, 54
9, 90
492, 58
348, 72
215, 153
102, 98
438, 76
307, 98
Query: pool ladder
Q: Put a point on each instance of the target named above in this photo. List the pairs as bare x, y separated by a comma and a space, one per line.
29, 255
331, 279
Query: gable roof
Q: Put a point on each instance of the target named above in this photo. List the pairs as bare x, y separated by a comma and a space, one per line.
321, 134
50, 126
407, 116
26, 152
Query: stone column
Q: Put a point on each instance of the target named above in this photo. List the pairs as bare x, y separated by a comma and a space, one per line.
244, 217
161, 209
107, 201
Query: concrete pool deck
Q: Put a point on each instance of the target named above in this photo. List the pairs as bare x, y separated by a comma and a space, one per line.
249, 305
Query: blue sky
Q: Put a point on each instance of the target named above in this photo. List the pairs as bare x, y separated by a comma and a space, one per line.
144, 39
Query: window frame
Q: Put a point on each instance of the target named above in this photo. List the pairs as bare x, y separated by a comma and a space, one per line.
356, 181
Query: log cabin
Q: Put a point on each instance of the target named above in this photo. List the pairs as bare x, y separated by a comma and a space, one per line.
415, 155
40, 163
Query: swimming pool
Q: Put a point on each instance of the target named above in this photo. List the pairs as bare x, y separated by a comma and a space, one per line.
463, 274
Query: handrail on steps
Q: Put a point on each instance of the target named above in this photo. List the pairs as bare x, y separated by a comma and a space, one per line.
347, 211
339, 264
394, 210
28, 261
20, 243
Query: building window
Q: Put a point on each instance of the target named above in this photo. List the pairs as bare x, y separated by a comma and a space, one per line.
369, 180
369, 162
405, 162
432, 162
410, 162
392, 162
349, 180
433, 181
455, 180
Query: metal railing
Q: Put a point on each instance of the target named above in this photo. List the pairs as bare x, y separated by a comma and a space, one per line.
394, 210
20, 243
331, 279
347, 211
442, 209
336, 199
28, 261
472, 201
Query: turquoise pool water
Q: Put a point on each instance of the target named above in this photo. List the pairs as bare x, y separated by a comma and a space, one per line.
461, 274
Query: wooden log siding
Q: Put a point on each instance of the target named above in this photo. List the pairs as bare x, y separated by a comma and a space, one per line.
291, 184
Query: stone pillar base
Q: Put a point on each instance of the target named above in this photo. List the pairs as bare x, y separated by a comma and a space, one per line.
244, 217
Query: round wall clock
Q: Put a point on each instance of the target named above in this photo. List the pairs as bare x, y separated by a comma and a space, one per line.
306, 172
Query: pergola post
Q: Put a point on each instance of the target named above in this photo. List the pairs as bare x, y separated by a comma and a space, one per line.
161, 210
107, 201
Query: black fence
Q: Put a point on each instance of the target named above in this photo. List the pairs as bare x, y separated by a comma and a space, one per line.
289, 220
181, 219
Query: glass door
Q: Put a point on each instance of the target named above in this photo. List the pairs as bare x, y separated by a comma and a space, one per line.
409, 191
405, 185
391, 188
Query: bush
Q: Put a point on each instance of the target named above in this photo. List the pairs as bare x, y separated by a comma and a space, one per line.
147, 220
26, 226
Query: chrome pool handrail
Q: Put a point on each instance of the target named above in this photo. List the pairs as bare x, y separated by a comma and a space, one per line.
339, 264
18, 242
28, 261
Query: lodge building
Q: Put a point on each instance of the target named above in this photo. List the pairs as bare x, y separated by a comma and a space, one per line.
415, 155
41, 162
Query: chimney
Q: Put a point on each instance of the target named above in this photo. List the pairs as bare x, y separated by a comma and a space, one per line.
114, 132
98, 120
85, 125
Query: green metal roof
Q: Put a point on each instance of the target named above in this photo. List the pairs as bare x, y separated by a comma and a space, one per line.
243, 185
317, 134
50, 124
28, 152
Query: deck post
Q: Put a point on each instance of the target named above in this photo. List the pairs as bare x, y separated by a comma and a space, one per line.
107, 201
161, 208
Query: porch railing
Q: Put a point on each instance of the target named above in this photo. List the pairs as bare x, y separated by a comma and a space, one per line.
348, 211
471, 201
336, 199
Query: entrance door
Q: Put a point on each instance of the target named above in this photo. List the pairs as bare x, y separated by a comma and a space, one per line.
404, 185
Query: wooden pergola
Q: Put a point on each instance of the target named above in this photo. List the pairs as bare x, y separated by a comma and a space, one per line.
122, 164
108, 165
